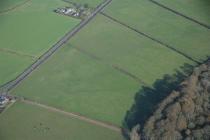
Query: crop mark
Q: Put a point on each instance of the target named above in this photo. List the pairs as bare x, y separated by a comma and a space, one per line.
14, 7
17, 53
180, 14
118, 68
150, 37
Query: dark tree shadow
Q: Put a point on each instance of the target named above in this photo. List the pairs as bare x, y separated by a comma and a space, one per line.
148, 98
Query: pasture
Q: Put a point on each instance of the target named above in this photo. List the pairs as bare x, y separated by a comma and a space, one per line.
6, 5
153, 20
97, 75
11, 65
197, 9
27, 122
101, 71
74, 82
91, 3
30, 29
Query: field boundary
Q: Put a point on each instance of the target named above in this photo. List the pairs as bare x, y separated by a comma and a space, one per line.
8, 51
180, 14
74, 115
118, 68
14, 7
13, 83
151, 38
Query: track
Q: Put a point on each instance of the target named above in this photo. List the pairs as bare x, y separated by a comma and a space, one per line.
150, 37
180, 14
74, 115
11, 84
14, 7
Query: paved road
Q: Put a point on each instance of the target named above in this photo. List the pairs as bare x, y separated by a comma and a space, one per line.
11, 84
74, 115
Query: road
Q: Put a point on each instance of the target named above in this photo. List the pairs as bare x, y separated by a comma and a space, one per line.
11, 84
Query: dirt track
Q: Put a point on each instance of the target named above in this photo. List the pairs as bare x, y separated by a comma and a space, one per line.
74, 115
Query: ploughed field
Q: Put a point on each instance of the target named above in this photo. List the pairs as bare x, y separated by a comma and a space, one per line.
127, 46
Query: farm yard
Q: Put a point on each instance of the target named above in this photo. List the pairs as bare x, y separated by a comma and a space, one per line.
104, 67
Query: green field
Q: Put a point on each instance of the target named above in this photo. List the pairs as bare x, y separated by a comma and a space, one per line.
33, 22
197, 9
101, 71
91, 3
178, 32
12, 65
27, 122
31, 29
8, 4
75, 81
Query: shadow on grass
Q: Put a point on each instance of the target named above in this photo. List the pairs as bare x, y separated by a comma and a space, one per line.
147, 98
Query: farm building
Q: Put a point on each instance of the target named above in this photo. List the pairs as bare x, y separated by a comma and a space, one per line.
68, 11
3, 100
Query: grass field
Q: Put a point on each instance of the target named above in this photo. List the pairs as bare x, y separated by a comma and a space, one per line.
76, 81
33, 22
27, 122
11, 65
8, 4
31, 29
197, 9
91, 3
161, 24
100, 72
122, 47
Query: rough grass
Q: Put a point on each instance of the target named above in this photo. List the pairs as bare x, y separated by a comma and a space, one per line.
197, 9
76, 81
24, 122
155, 21
11, 65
